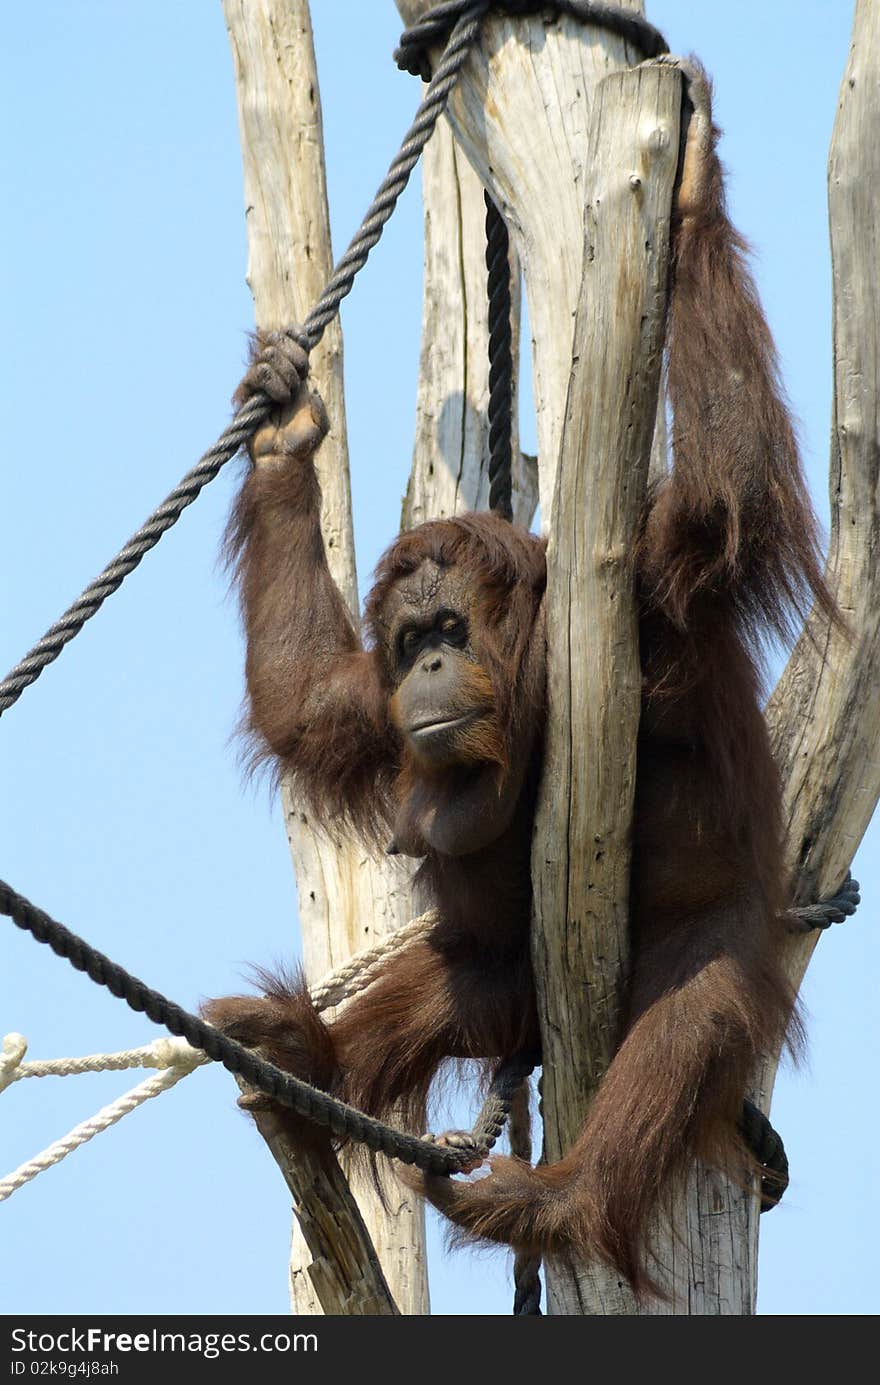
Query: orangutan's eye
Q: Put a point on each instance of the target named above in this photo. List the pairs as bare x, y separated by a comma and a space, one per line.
453, 630
408, 641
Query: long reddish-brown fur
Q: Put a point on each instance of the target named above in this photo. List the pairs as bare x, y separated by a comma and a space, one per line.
728, 555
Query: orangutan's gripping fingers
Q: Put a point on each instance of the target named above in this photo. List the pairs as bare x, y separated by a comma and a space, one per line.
274, 374
461, 1140
294, 352
279, 367
441, 1190
267, 376
257, 1103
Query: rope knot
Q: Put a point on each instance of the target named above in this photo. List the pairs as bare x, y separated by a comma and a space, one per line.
176, 1053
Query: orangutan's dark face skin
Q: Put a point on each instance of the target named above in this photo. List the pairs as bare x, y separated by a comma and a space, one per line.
443, 703
455, 793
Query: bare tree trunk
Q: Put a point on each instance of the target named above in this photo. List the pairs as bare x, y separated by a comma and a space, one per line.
346, 899
521, 111
825, 712
342, 1274
581, 855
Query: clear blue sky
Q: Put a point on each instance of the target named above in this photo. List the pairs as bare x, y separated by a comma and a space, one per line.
123, 810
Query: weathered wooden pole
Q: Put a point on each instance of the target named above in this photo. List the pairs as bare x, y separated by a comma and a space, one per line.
346, 899
521, 111
824, 714
581, 849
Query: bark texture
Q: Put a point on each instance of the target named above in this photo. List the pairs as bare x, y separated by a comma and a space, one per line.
581, 849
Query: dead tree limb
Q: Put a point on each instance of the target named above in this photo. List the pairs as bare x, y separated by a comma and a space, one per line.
346, 899
344, 1274
581, 851
825, 711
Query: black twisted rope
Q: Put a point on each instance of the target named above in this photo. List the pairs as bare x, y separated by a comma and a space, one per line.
412, 54
500, 411
833, 909
46, 650
527, 1288
323, 1109
462, 34
319, 1107
507, 1083
766, 1145
526, 1267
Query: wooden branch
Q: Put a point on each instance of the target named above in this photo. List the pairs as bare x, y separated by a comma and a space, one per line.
825, 712
581, 855
288, 226
594, 674
343, 1275
346, 899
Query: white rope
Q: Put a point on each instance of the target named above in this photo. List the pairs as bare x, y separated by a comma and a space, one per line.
361, 970
162, 1053
13, 1050
174, 1056
107, 1116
